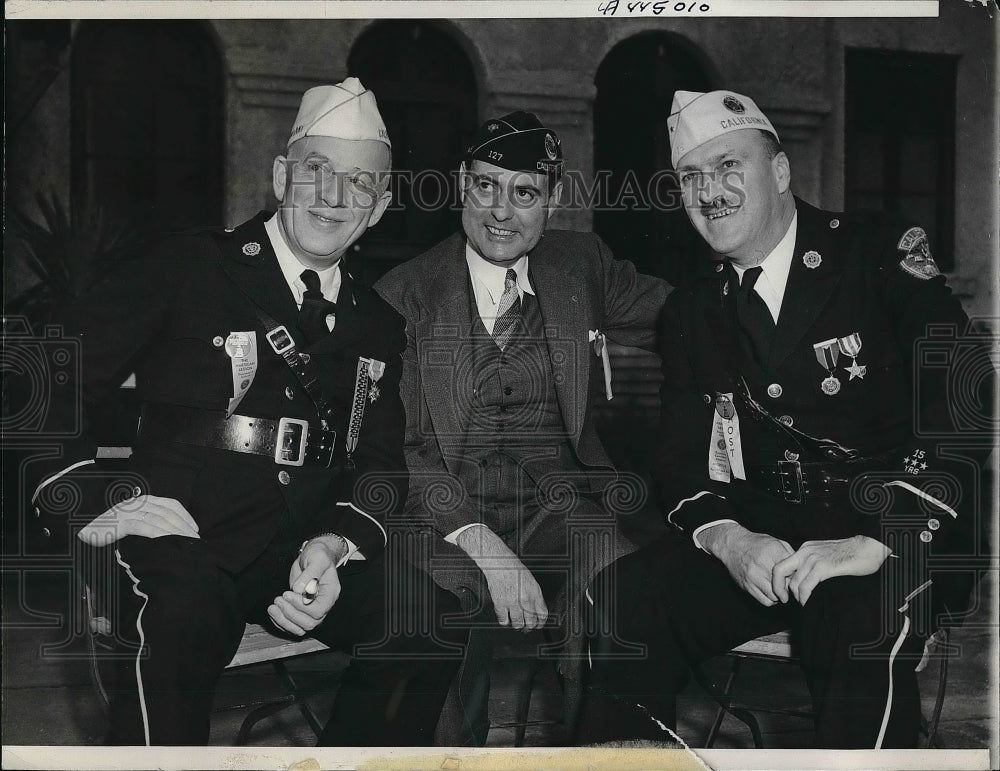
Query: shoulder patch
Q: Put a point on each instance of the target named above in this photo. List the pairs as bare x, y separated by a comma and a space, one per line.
917, 260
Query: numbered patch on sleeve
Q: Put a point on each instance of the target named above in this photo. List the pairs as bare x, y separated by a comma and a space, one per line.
917, 260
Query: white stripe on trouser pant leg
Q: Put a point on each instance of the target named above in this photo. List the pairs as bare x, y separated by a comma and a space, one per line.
892, 659
142, 642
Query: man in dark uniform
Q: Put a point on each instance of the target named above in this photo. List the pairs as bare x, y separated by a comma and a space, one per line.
803, 491
268, 456
506, 325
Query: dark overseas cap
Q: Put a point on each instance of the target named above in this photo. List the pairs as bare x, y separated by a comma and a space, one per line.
517, 142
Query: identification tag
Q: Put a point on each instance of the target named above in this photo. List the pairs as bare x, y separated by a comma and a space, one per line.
242, 350
725, 452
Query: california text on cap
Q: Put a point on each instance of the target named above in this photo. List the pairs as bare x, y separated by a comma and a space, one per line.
697, 117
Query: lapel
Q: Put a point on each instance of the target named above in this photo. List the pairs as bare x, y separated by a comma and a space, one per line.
249, 260
446, 323
808, 289
560, 291
712, 325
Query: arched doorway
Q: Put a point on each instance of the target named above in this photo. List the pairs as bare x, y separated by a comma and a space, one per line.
147, 139
426, 92
642, 218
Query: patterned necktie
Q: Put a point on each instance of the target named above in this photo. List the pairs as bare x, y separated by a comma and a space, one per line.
754, 318
315, 308
508, 310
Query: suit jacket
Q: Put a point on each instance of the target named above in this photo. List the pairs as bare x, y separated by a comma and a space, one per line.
848, 276
165, 313
579, 286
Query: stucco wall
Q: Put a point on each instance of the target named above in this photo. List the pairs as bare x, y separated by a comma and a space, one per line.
792, 67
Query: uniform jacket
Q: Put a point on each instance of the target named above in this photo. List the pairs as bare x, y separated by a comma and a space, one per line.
165, 314
848, 275
580, 288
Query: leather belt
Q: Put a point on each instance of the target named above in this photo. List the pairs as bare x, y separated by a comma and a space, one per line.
288, 441
800, 482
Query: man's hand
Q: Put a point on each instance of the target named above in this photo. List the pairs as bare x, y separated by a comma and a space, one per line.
817, 561
517, 598
316, 564
749, 557
147, 516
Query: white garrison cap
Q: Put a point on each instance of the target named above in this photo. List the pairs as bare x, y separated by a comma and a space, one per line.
696, 118
345, 111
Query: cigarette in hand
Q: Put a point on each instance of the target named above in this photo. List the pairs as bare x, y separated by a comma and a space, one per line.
310, 591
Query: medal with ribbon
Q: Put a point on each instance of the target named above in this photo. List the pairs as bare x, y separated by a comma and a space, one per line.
827, 353
851, 346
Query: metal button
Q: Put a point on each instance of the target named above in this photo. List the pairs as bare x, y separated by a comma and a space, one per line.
38, 512
706, 398
789, 455
218, 341
718, 267
786, 420
46, 532
136, 491
926, 536
284, 477
507, 391
775, 390
289, 393
933, 524
834, 223
500, 426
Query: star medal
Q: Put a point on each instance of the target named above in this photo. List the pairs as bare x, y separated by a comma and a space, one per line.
827, 353
376, 369
851, 346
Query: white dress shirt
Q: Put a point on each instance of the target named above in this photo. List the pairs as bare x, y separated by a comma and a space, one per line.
291, 269
489, 282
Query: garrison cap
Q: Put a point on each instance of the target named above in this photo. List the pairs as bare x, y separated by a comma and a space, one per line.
697, 117
517, 142
346, 110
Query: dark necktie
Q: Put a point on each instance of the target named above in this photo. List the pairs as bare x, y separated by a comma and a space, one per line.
508, 310
754, 318
315, 308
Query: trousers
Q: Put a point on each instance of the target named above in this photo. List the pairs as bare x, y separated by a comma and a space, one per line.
671, 605
179, 619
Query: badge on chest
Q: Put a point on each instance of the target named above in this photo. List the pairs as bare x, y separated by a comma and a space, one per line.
725, 450
242, 350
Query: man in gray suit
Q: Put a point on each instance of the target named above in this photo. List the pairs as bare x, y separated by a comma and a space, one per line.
507, 328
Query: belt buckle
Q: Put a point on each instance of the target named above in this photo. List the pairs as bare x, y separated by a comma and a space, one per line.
789, 470
279, 340
295, 430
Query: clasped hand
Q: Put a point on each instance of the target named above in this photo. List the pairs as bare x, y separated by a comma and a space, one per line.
771, 571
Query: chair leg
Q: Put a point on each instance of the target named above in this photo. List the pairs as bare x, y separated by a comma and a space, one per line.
726, 706
524, 707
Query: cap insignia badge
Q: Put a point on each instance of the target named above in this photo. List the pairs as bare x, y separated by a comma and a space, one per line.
733, 104
550, 146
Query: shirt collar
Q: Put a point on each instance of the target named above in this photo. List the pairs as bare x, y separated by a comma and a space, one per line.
775, 268
291, 268
492, 277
